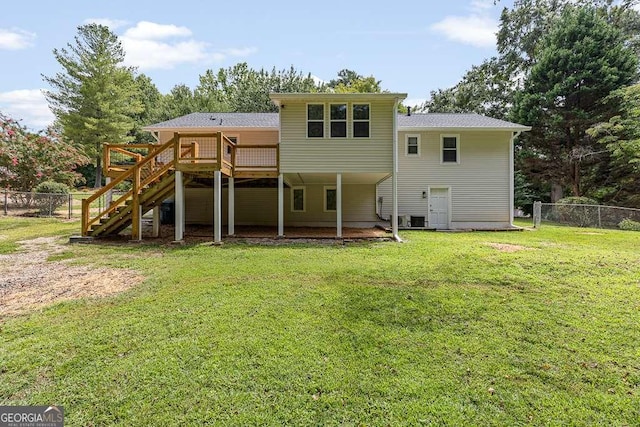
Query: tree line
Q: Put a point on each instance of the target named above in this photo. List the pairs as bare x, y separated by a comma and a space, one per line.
568, 68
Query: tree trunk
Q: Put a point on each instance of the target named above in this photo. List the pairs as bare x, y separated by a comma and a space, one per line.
575, 179
98, 182
556, 192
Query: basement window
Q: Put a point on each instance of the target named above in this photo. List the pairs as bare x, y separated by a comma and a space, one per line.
298, 199
330, 199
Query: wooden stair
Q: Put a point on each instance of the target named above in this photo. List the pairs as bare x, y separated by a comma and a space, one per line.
152, 184
122, 217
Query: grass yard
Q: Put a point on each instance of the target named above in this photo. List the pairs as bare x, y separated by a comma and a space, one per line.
531, 328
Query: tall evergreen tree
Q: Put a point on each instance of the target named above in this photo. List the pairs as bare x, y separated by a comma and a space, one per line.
582, 60
95, 98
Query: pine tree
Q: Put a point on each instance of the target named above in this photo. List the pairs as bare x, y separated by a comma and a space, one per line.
95, 98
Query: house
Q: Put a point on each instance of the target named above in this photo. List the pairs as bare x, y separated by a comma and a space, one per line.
336, 160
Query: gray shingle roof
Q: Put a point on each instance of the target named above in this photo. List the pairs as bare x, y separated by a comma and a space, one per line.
220, 120
270, 120
454, 121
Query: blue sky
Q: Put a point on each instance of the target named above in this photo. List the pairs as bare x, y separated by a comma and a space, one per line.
412, 46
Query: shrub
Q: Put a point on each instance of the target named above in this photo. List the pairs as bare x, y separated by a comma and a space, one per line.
629, 224
50, 196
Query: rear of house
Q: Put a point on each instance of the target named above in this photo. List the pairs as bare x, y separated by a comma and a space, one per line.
325, 160
455, 172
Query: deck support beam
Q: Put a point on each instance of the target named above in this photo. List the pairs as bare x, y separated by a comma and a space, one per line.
339, 205
179, 207
217, 207
280, 205
231, 195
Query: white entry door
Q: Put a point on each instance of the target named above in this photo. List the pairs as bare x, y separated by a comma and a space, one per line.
439, 208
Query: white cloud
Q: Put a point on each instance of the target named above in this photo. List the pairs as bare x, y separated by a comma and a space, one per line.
29, 105
149, 45
15, 39
476, 29
145, 30
113, 24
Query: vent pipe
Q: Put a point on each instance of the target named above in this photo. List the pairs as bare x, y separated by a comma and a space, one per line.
408, 111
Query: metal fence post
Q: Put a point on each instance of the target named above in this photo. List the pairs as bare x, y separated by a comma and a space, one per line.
537, 214
599, 218
70, 204
50, 205
6, 204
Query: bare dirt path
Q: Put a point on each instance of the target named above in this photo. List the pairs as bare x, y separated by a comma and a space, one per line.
29, 282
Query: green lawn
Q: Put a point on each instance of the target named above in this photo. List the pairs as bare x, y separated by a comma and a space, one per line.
443, 329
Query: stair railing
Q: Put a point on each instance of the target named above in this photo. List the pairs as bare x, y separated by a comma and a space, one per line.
133, 174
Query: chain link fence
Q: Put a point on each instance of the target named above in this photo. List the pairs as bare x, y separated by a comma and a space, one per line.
594, 216
20, 203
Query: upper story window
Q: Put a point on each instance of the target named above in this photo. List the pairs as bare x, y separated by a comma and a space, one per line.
412, 145
361, 117
450, 148
338, 115
315, 120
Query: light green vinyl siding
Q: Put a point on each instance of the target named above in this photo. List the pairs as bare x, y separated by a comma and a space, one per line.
299, 154
479, 184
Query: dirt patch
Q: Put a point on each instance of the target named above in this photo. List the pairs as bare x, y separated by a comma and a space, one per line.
590, 233
28, 281
505, 247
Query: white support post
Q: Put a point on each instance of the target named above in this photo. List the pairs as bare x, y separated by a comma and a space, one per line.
394, 175
280, 205
156, 221
217, 207
512, 176
231, 194
109, 196
140, 223
339, 205
179, 207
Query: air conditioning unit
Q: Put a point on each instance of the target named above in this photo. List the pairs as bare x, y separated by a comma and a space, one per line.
404, 221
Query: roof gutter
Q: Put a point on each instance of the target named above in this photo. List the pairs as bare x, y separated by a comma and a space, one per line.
512, 175
394, 174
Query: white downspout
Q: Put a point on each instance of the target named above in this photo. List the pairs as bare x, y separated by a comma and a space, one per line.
511, 176
394, 175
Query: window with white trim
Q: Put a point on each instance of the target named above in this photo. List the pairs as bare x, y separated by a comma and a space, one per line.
298, 199
361, 117
330, 199
315, 120
412, 145
450, 149
338, 118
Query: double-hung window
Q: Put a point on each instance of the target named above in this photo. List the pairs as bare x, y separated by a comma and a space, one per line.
298, 199
413, 145
450, 149
330, 199
315, 120
338, 114
361, 117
